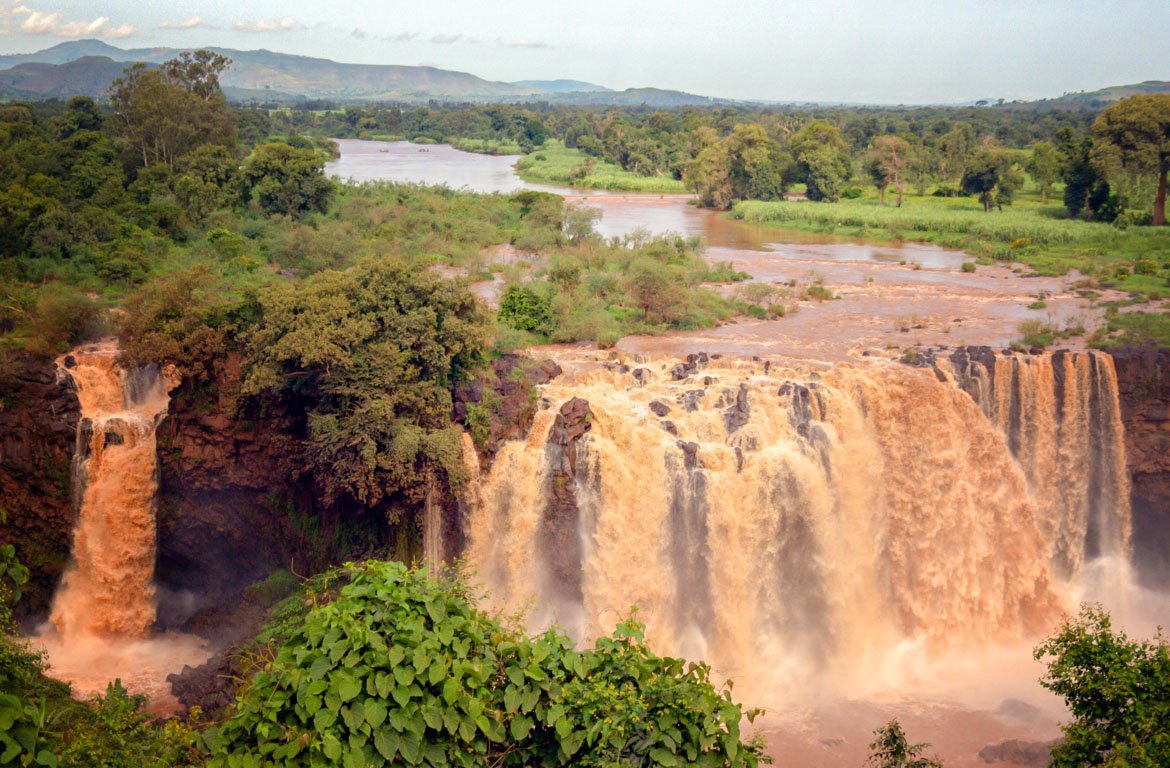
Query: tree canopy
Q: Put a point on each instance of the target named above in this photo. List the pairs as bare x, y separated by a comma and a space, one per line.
1117, 690
167, 112
370, 354
1137, 129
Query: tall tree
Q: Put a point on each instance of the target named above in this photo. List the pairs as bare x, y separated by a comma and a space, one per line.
990, 176
1116, 689
286, 180
1044, 167
887, 165
745, 165
1138, 130
165, 113
822, 160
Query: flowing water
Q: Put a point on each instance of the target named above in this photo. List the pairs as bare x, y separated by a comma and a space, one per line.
874, 536
104, 608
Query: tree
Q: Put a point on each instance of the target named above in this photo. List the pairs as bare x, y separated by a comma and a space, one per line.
822, 160
286, 180
887, 165
1086, 192
990, 176
1044, 167
370, 356
167, 112
891, 749
1117, 690
744, 165
1138, 130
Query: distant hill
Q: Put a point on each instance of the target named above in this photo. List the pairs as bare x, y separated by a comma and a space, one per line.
86, 67
1101, 98
87, 76
560, 86
634, 97
267, 74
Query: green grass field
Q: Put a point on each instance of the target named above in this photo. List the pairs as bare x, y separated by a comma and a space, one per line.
554, 164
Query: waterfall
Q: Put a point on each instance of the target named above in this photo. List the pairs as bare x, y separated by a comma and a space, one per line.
109, 590
788, 520
104, 608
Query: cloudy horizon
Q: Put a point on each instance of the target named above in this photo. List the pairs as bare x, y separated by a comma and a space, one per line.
902, 51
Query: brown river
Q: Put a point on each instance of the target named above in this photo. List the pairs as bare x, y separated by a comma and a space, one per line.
889, 297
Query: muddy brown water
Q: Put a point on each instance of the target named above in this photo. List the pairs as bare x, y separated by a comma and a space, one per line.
887, 296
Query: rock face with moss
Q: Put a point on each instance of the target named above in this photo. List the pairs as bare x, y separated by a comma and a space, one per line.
38, 426
229, 508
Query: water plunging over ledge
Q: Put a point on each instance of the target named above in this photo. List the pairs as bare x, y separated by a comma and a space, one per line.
104, 609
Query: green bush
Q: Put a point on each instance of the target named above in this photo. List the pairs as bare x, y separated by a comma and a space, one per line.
400, 669
1116, 689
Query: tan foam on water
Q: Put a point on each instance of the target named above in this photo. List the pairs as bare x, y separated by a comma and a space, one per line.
105, 605
887, 525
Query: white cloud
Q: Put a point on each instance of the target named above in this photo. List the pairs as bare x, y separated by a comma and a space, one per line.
191, 23
272, 25
510, 43
13, 8
403, 37
445, 39
39, 23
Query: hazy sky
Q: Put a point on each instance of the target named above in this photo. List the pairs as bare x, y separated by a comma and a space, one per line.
878, 51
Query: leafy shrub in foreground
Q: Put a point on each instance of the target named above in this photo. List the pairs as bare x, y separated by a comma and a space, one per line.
401, 668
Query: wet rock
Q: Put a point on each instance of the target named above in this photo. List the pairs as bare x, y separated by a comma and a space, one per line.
558, 533
574, 419
1017, 752
690, 453
642, 376
680, 371
1143, 382
738, 413
659, 408
113, 432
509, 381
691, 398
669, 427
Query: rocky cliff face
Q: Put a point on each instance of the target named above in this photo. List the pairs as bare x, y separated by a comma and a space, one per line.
1143, 379
228, 502
38, 427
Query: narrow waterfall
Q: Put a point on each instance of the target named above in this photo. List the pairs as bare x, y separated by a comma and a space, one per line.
109, 590
104, 609
791, 520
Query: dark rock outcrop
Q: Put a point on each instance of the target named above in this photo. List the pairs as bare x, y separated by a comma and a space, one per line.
659, 408
559, 523
1016, 752
738, 412
39, 412
506, 397
230, 507
1143, 381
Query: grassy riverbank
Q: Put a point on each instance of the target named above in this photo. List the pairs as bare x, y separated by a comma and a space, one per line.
1131, 259
556, 164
